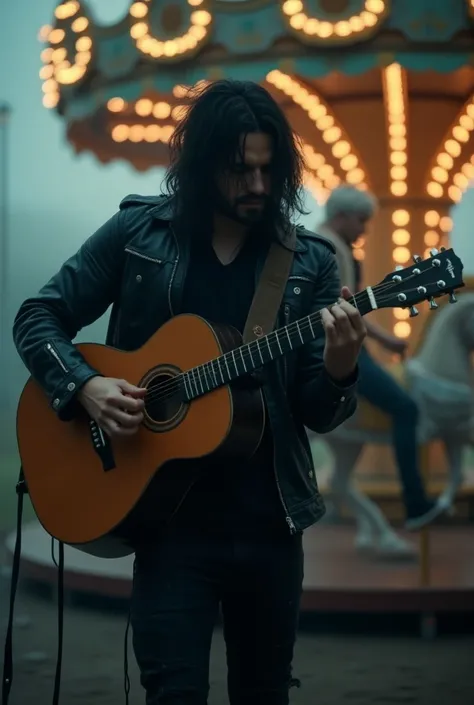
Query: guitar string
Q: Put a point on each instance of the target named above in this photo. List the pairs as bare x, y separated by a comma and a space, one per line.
298, 328
210, 368
172, 386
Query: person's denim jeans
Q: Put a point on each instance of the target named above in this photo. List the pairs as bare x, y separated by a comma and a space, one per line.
379, 388
179, 584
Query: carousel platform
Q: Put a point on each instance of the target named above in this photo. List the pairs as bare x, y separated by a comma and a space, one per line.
337, 578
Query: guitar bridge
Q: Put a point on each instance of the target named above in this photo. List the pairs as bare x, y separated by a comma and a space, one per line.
102, 446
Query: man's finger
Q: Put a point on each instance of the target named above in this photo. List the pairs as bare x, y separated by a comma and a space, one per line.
132, 389
116, 430
124, 419
127, 402
343, 324
354, 316
329, 324
346, 293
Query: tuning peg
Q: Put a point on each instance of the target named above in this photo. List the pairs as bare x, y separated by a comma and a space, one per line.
442, 249
433, 304
413, 311
434, 252
398, 268
452, 299
417, 258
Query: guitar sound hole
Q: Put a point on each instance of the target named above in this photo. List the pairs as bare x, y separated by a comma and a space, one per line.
163, 403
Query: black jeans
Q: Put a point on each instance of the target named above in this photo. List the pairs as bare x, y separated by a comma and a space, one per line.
380, 389
179, 584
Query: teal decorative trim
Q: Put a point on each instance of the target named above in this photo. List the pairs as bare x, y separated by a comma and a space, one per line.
313, 22
79, 107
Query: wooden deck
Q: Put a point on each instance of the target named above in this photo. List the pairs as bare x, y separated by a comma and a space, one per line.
337, 578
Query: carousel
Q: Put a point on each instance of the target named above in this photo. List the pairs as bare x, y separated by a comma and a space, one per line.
381, 94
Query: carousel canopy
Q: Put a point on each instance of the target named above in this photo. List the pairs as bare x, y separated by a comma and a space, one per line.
120, 89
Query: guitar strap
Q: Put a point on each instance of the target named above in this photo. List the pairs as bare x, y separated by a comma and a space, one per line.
270, 288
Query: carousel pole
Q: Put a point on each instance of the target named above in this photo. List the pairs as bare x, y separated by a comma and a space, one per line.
5, 112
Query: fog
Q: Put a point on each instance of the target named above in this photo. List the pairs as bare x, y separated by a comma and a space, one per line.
56, 199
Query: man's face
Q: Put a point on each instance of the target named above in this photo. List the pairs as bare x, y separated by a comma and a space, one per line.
244, 191
352, 226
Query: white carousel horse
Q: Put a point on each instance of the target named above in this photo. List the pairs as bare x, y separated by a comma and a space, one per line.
440, 379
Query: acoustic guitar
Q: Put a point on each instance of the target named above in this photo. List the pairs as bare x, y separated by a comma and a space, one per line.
87, 489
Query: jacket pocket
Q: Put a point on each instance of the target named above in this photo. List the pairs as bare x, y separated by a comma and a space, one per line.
297, 297
143, 305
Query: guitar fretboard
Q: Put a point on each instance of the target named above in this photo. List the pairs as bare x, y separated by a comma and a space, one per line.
251, 356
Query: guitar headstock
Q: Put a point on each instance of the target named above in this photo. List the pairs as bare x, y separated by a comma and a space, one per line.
426, 280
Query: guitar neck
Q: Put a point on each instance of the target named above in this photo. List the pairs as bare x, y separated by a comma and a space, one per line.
252, 356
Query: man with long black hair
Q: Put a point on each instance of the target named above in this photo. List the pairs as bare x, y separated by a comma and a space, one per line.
234, 183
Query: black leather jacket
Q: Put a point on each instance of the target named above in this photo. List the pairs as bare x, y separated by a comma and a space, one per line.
135, 262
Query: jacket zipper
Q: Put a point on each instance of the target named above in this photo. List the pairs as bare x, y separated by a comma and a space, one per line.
139, 254
175, 266
288, 519
54, 353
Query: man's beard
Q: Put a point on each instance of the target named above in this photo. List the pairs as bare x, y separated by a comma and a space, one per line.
248, 216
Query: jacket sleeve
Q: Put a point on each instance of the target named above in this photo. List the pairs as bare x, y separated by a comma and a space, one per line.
75, 297
322, 403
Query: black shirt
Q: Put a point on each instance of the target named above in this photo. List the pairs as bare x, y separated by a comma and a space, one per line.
236, 496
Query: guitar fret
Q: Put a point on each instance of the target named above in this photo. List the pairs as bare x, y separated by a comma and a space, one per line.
200, 380
192, 382
227, 366
243, 360
269, 348
277, 336
235, 363
185, 381
196, 378
249, 348
288, 336
259, 352
311, 326
211, 365
206, 380
220, 370
299, 332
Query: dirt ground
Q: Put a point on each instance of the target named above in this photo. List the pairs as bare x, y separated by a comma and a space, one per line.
334, 669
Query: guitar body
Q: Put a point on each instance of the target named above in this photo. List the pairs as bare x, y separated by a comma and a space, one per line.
91, 497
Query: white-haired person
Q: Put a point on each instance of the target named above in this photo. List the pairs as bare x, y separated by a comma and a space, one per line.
347, 213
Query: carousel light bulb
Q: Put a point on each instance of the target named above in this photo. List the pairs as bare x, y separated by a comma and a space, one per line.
400, 236
401, 255
445, 160
455, 193
453, 148
292, 7
120, 133
139, 10
201, 17
143, 107
400, 217
460, 134
325, 30
80, 24
432, 219
402, 329
431, 238
434, 189
116, 105
439, 174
